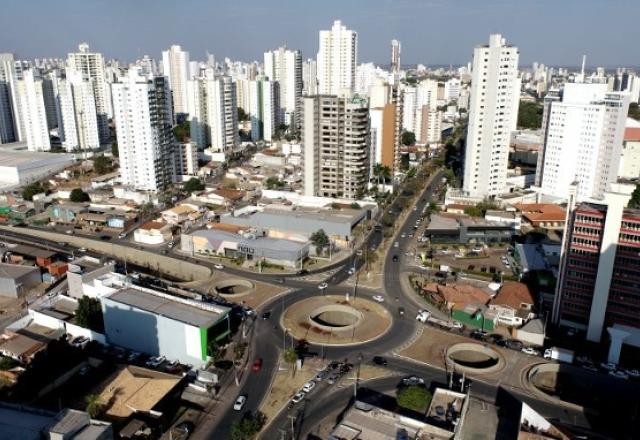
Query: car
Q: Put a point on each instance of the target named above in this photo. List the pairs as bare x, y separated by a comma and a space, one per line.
122, 235
322, 375
513, 344
239, 403
530, 351
307, 387
68, 232
70, 258
633, 372
412, 380
351, 271
590, 367
379, 360
185, 428
257, 365
401, 311
170, 244
266, 315
378, 298
478, 335
299, 396
303, 272
403, 235
218, 266
155, 361
80, 341
359, 252
396, 244
619, 374
133, 356
82, 249
331, 379
395, 258
173, 367
609, 366
322, 286
84, 371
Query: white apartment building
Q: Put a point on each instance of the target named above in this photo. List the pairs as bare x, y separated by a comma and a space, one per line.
33, 112
78, 127
396, 48
175, 66
213, 113
263, 108
337, 60
452, 89
8, 130
309, 77
335, 139
143, 123
285, 67
91, 65
583, 136
185, 159
242, 94
493, 113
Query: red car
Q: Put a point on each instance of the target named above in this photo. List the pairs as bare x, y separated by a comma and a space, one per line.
257, 365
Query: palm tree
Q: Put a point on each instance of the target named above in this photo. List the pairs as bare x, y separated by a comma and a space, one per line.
290, 357
94, 405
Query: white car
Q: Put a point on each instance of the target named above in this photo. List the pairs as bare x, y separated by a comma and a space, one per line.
351, 271
307, 387
155, 362
610, 366
359, 252
322, 286
378, 298
298, 397
218, 266
396, 244
239, 403
619, 374
633, 373
403, 235
531, 351
82, 249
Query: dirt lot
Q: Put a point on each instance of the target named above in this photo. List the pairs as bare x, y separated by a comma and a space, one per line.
488, 258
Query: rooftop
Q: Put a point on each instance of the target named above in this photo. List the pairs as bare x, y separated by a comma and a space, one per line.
186, 311
14, 271
513, 294
459, 295
275, 244
32, 251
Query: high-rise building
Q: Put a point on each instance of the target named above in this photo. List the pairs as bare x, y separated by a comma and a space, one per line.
337, 60
493, 113
599, 282
142, 113
395, 56
213, 113
33, 112
452, 89
385, 115
8, 130
263, 109
78, 126
309, 77
175, 66
335, 139
91, 65
583, 135
285, 67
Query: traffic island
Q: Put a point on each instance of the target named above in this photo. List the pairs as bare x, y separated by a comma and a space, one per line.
474, 358
334, 320
233, 288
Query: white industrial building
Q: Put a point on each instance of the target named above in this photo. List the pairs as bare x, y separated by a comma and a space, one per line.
493, 113
23, 167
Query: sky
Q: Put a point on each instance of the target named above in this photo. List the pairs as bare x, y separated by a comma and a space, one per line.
432, 32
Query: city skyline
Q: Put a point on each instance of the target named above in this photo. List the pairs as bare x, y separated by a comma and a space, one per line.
432, 32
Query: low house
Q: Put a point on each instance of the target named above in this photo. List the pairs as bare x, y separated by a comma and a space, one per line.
542, 215
153, 232
463, 229
66, 213
510, 218
513, 304
532, 333
223, 196
181, 214
16, 280
455, 295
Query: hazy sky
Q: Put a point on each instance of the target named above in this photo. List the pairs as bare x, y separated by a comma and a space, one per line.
555, 32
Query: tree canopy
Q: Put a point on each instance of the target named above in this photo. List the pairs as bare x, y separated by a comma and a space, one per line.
182, 131
32, 189
79, 196
89, 314
414, 397
634, 111
408, 138
273, 182
193, 184
530, 115
242, 115
102, 165
635, 198
320, 240
247, 427
114, 149
480, 209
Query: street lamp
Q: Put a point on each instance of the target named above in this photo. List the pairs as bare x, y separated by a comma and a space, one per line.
356, 383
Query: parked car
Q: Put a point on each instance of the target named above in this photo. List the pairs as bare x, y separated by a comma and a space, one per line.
257, 365
155, 361
184, 428
133, 356
322, 286
395, 258
379, 360
478, 335
531, 351
307, 387
590, 367
82, 249
378, 298
218, 266
514, 344
322, 375
359, 252
609, 366
266, 315
633, 372
173, 367
401, 311
619, 374
298, 397
239, 403
80, 341
412, 380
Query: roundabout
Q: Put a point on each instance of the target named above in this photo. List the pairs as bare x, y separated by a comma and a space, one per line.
474, 358
332, 320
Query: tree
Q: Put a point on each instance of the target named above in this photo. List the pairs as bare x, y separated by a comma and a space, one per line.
414, 397
320, 240
481, 208
32, 189
408, 138
290, 357
214, 351
114, 149
94, 405
193, 184
355, 205
242, 115
530, 115
79, 196
102, 165
182, 131
89, 314
635, 198
404, 162
247, 427
274, 183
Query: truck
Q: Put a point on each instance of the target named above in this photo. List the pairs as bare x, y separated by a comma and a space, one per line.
426, 317
559, 354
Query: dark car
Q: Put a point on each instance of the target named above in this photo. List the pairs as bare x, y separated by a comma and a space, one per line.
395, 258
303, 272
401, 311
266, 315
478, 334
514, 344
184, 428
379, 360
257, 365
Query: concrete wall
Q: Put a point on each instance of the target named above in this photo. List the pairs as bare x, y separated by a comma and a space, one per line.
10, 287
165, 264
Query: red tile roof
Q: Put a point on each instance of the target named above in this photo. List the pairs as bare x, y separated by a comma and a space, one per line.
512, 295
632, 134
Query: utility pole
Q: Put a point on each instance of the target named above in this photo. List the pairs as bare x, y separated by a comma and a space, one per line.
293, 419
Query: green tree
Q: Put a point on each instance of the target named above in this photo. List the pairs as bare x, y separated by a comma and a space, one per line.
290, 357
530, 115
247, 427
114, 149
320, 240
414, 397
273, 182
404, 162
215, 351
408, 138
481, 208
193, 184
94, 405
242, 115
182, 131
89, 314
32, 189
79, 196
355, 205
635, 198
6, 363
102, 165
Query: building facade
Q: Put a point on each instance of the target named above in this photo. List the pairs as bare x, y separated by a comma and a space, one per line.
493, 113
263, 108
78, 127
335, 138
33, 112
175, 66
143, 123
285, 67
337, 60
